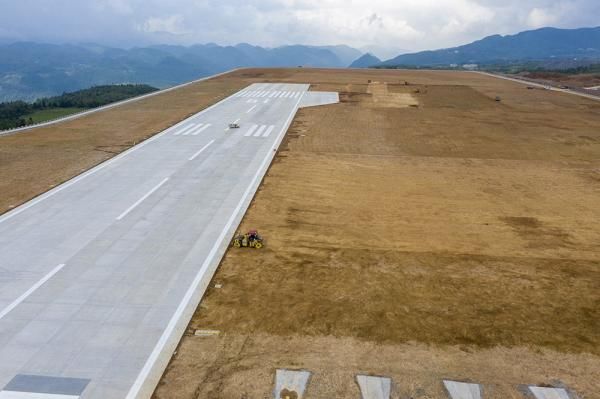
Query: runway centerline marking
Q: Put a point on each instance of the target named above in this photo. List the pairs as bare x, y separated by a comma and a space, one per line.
201, 150
251, 109
149, 193
30, 291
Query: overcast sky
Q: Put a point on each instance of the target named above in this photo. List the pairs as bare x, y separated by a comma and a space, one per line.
395, 24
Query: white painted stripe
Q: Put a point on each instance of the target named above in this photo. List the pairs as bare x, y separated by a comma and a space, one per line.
297, 94
191, 126
201, 150
33, 395
168, 331
259, 93
269, 130
250, 131
30, 291
9, 215
259, 131
149, 193
203, 128
266, 93
266, 101
273, 94
549, 393
277, 93
288, 94
190, 130
251, 109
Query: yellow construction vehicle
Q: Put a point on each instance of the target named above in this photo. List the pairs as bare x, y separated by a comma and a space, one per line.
249, 240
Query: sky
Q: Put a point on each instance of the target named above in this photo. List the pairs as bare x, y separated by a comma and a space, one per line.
390, 25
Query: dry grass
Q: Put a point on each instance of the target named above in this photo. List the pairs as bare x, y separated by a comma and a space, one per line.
459, 235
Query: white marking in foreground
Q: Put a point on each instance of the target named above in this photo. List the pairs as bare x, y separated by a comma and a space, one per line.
374, 387
33, 395
149, 193
203, 128
462, 390
269, 130
162, 342
291, 380
30, 291
549, 393
251, 109
201, 150
250, 131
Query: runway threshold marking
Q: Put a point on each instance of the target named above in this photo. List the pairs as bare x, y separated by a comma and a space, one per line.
189, 131
200, 130
149, 193
30, 291
168, 331
201, 150
260, 130
185, 129
250, 131
251, 109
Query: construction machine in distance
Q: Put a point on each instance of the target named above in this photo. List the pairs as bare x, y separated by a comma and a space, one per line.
249, 240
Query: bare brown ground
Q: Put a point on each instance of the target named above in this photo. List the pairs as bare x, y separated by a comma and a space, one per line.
455, 239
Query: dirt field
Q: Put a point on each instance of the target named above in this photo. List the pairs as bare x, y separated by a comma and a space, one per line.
420, 231
582, 80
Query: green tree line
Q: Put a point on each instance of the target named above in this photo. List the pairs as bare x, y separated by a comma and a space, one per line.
17, 113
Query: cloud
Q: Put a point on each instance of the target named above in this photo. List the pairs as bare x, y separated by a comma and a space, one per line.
410, 24
173, 25
539, 17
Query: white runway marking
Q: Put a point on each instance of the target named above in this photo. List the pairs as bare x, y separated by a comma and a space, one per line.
251, 109
198, 131
191, 130
30, 291
190, 126
266, 101
250, 131
201, 151
269, 131
149, 193
259, 131
273, 94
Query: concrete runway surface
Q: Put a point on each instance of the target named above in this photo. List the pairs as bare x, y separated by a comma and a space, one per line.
100, 276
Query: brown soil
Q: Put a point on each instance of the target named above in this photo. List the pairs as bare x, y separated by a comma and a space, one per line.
456, 239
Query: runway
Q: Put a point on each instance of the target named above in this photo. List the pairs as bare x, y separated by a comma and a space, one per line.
100, 276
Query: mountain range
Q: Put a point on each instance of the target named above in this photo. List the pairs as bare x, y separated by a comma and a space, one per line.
535, 45
32, 70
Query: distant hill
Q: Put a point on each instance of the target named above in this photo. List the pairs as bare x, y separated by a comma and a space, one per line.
366, 61
540, 44
32, 70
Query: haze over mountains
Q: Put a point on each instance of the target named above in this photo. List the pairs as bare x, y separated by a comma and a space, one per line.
31, 70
